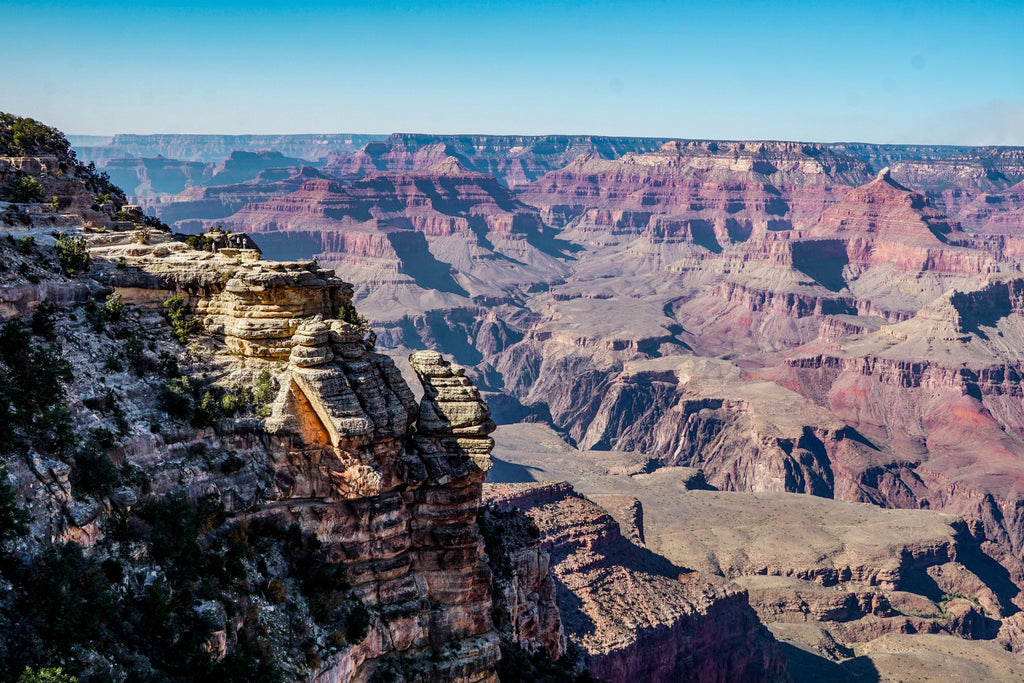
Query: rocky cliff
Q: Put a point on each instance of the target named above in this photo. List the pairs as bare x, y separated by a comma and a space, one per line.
636, 615
389, 488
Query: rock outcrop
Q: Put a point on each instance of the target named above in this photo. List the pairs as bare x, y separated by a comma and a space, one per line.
394, 503
832, 580
635, 614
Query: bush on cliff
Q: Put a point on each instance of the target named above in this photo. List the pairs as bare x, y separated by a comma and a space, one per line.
25, 190
183, 325
21, 136
72, 253
349, 314
32, 377
144, 603
202, 404
51, 675
93, 472
43, 323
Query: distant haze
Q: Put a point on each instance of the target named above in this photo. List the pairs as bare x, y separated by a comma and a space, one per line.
903, 72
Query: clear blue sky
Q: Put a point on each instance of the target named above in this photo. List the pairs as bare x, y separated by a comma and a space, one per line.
929, 72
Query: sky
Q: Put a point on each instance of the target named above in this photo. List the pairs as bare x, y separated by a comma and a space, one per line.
890, 72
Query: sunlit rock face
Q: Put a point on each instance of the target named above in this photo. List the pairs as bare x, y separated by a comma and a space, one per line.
390, 487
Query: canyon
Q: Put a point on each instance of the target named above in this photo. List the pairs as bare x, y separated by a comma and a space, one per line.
724, 410
836, 320
209, 473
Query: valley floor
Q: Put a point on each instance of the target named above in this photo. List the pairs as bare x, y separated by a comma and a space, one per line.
853, 592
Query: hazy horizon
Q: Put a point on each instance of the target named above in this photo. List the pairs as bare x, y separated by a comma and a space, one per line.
880, 72
76, 138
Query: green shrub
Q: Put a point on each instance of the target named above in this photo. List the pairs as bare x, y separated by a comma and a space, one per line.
133, 354
26, 244
265, 389
183, 325
22, 136
42, 320
231, 404
25, 190
113, 363
113, 308
48, 675
94, 473
349, 314
200, 242
32, 391
72, 253
176, 398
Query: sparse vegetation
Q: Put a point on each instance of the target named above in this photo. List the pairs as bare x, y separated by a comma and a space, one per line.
25, 190
183, 325
155, 223
349, 314
32, 393
202, 404
93, 473
264, 393
46, 675
113, 307
202, 569
200, 242
72, 253
22, 136
43, 323
26, 244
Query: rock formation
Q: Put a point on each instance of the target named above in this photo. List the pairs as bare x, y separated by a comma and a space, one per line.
832, 580
394, 504
637, 616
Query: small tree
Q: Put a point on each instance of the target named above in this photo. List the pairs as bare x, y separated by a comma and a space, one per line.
50, 675
24, 190
349, 314
72, 254
113, 308
183, 325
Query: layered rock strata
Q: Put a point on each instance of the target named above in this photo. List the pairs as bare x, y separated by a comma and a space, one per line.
636, 615
832, 580
390, 488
